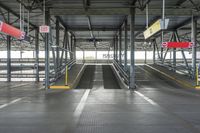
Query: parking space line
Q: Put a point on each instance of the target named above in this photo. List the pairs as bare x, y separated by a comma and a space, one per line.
79, 109
10, 103
146, 98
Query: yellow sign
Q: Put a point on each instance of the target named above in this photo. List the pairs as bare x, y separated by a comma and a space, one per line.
153, 29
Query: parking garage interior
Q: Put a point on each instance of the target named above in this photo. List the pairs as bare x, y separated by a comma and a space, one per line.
99, 66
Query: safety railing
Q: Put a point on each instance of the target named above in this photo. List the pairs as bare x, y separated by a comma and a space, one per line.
122, 72
57, 73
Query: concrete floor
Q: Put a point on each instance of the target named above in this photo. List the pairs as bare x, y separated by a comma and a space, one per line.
156, 107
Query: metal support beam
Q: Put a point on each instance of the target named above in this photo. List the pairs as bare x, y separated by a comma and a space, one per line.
71, 47
116, 44
57, 44
174, 38
161, 49
66, 46
132, 56
154, 52
120, 46
8, 54
8, 58
15, 14
47, 62
126, 45
74, 48
114, 49
180, 2
37, 54
145, 54
194, 40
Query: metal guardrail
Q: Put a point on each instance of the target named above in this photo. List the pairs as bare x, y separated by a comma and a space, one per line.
121, 72
58, 73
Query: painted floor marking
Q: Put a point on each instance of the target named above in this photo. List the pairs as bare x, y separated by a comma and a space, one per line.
79, 109
12, 102
146, 98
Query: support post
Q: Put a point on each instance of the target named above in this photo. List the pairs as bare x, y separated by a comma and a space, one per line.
8, 54
145, 52
161, 49
120, 46
126, 45
114, 49
66, 46
37, 54
132, 40
74, 48
116, 42
8, 58
154, 52
71, 47
96, 55
57, 44
194, 40
47, 67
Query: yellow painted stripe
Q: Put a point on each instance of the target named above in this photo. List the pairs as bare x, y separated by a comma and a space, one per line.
60, 87
197, 87
181, 82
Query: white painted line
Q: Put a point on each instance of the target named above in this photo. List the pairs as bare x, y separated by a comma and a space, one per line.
146, 98
12, 102
19, 85
98, 80
79, 109
41, 88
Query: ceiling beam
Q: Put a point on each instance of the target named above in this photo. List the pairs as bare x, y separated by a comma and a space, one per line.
79, 39
15, 14
186, 22
119, 11
180, 2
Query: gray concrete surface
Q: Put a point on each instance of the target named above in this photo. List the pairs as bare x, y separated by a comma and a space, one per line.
156, 107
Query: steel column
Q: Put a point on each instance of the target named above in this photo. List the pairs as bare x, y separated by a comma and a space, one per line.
8, 54
145, 52
132, 56
174, 54
114, 49
194, 40
126, 45
154, 52
116, 42
71, 45
8, 58
161, 49
57, 43
120, 46
66, 46
47, 67
74, 47
37, 54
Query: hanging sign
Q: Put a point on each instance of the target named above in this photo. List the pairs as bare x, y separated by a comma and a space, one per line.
155, 28
12, 31
44, 29
177, 44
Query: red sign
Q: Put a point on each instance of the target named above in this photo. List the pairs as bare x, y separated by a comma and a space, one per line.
12, 31
177, 44
44, 29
